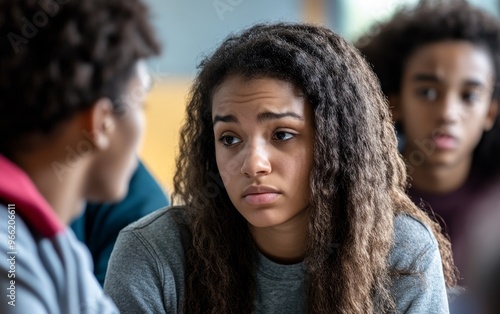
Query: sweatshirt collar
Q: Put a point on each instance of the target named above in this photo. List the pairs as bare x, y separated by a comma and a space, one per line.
18, 189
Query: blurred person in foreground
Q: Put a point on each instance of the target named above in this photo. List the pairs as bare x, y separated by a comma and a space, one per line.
99, 225
72, 86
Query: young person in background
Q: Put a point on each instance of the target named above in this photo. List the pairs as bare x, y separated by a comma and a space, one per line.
438, 63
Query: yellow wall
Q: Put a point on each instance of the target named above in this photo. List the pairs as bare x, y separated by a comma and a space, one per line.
164, 113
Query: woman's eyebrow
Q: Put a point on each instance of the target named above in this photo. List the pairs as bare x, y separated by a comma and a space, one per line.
274, 116
264, 116
227, 118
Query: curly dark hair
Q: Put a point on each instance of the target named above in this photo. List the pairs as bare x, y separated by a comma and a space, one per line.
388, 45
58, 58
357, 181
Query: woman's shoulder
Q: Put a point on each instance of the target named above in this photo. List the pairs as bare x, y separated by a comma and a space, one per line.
412, 239
410, 229
173, 217
164, 226
146, 268
418, 285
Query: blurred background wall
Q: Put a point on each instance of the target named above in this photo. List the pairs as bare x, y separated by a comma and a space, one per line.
192, 29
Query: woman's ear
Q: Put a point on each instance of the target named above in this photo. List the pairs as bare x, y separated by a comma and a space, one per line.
492, 115
395, 107
99, 123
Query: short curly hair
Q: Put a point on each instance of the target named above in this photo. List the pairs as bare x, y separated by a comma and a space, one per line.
388, 45
57, 57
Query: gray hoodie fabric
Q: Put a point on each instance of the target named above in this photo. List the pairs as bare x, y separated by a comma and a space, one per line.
146, 270
44, 269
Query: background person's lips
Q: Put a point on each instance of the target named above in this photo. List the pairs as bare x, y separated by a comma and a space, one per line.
445, 142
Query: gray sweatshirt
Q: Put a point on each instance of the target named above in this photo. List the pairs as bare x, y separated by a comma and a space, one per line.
146, 270
44, 269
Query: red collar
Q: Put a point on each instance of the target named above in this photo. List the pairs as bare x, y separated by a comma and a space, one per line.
17, 188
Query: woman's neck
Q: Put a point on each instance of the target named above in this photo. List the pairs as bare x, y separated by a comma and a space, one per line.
286, 243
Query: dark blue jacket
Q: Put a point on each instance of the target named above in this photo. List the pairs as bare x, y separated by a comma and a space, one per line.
100, 224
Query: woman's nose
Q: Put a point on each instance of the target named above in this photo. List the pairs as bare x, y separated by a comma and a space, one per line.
256, 161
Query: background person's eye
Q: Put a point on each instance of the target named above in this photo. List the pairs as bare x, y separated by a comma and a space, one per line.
471, 97
428, 93
283, 136
229, 140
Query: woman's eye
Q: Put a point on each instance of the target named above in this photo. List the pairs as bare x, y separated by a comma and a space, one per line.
229, 140
283, 136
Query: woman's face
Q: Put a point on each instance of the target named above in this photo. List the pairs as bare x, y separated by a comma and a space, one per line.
264, 135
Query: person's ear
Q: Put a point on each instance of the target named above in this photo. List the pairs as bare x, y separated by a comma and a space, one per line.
395, 107
492, 115
99, 123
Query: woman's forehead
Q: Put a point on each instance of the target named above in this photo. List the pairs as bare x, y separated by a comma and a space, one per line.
237, 92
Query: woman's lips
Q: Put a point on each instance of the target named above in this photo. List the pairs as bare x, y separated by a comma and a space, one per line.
261, 198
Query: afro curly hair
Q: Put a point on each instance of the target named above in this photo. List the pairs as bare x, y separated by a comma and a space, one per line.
58, 57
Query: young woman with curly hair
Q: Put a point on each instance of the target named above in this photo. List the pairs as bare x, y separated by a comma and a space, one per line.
438, 63
290, 191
